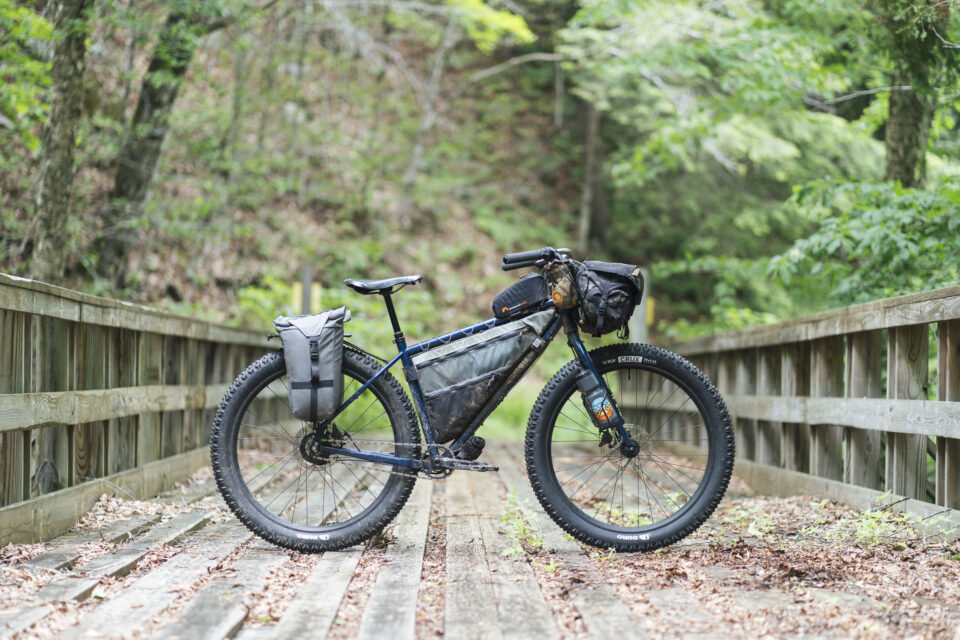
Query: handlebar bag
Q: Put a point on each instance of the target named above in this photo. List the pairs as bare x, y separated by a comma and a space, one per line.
459, 378
608, 294
313, 353
522, 297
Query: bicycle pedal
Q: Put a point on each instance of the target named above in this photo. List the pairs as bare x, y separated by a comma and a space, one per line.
465, 465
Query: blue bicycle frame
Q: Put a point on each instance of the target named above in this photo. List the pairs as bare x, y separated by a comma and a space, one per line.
405, 356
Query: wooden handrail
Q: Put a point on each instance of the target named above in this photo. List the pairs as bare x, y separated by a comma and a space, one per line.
809, 395
97, 392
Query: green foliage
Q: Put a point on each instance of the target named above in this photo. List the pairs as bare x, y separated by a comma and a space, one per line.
875, 240
24, 37
526, 539
487, 27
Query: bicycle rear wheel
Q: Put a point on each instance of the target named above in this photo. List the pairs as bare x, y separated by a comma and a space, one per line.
294, 496
609, 499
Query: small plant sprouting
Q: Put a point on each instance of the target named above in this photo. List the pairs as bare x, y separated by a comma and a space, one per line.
526, 539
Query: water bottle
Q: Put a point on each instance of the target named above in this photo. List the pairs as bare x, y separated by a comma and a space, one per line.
595, 400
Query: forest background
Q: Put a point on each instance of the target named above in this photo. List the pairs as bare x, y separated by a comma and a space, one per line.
763, 159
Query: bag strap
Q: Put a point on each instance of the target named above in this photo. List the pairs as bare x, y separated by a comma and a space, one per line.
602, 309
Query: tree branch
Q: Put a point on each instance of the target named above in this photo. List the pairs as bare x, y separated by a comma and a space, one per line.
867, 92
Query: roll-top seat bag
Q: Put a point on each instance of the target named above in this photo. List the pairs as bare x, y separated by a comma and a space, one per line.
313, 352
458, 379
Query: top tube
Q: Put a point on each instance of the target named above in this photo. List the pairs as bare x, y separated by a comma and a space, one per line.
458, 334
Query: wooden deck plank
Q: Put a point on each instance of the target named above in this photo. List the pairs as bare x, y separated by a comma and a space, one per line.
471, 610
312, 611
596, 601
522, 608
132, 608
218, 610
124, 560
65, 550
393, 600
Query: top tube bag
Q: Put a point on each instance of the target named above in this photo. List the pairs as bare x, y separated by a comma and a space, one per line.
459, 378
313, 353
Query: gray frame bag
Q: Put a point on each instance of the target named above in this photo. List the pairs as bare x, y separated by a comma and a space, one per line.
313, 353
458, 379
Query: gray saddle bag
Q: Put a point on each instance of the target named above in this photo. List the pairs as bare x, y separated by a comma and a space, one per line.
313, 352
459, 379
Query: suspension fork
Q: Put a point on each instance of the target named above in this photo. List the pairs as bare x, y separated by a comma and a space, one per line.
627, 444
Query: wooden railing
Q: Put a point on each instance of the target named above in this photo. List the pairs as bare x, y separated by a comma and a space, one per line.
101, 396
848, 395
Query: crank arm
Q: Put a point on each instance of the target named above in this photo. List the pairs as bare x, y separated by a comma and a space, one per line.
372, 456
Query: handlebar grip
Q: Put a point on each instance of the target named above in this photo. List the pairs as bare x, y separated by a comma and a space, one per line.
510, 266
525, 256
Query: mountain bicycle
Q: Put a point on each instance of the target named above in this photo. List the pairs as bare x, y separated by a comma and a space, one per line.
628, 446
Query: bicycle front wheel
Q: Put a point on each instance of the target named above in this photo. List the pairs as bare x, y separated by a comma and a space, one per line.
609, 497
285, 490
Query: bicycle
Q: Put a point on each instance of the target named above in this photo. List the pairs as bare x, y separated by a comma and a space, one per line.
646, 470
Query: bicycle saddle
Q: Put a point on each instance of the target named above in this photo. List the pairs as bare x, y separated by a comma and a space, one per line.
366, 287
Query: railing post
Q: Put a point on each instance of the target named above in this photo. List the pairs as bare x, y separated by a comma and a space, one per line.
768, 384
948, 389
826, 380
861, 466
150, 369
794, 380
14, 479
746, 385
907, 380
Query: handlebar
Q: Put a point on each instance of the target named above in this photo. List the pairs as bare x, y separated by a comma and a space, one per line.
536, 258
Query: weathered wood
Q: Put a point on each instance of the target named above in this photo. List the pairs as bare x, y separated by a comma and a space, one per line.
862, 463
522, 610
150, 363
768, 383
122, 428
921, 308
124, 560
393, 600
171, 422
746, 384
596, 602
948, 389
67, 407
312, 611
89, 446
906, 461
51, 347
826, 380
794, 381
133, 607
928, 417
772, 481
64, 551
218, 610
470, 601
38, 298
50, 515
14, 367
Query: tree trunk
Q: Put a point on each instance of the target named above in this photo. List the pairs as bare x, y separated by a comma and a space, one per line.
589, 177
907, 135
141, 148
55, 180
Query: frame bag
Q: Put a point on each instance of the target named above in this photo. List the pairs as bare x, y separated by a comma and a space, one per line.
459, 379
609, 292
522, 297
313, 353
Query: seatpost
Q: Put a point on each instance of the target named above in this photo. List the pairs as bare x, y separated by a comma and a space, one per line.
397, 333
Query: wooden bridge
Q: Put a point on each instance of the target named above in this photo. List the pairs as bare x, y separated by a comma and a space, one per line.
847, 436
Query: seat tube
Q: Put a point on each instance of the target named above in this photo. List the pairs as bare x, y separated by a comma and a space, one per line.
410, 373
